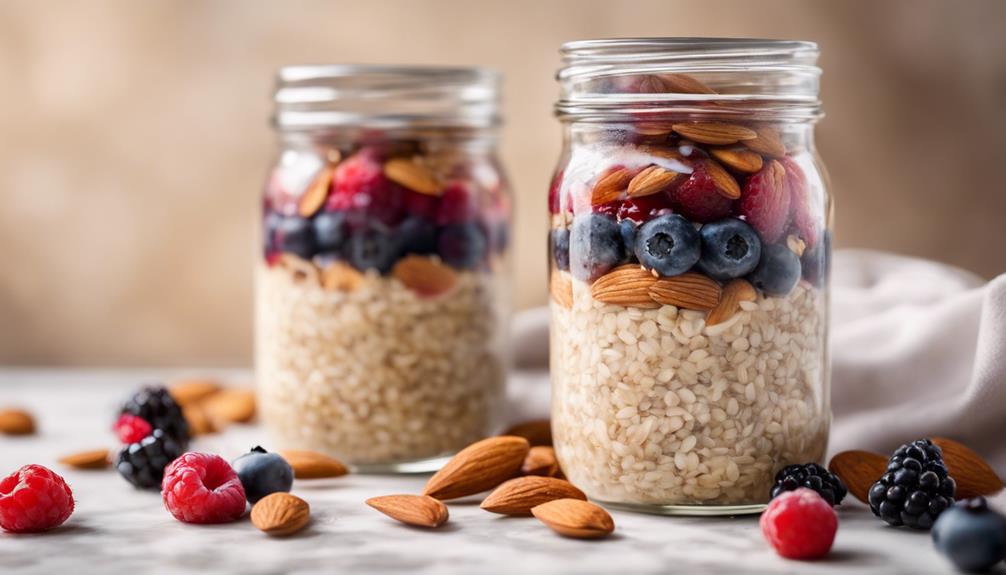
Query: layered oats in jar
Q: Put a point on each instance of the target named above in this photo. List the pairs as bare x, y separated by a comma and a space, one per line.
381, 290
689, 251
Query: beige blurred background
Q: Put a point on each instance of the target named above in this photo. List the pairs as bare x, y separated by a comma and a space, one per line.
134, 139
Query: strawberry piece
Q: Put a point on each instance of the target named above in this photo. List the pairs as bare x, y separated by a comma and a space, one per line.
803, 221
698, 198
765, 201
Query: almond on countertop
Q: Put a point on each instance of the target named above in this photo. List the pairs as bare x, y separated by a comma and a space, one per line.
536, 432
16, 422
418, 510
313, 465
518, 496
541, 461
193, 390
858, 470
575, 518
281, 514
234, 405
479, 467
93, 459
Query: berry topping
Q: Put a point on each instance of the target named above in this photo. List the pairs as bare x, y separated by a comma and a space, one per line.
730, 249
131, 428
595, 246
698, 198
142, 463
263, 473
778, 271
799, 525
811, 476
804, 224
330, 232
971, 535
765, 202
155, 405
668, 244
417, 235
372, 247
34, 499
203, 488
560, 248
554, 189
421, 205
643, 209
462, 245
457, 204
916, 488
295, 235
360, 189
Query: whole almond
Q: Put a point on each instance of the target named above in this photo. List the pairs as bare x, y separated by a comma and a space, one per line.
689, 291
575, 518
684, 84
193, 390
315, 195
974, 476
93, 459
413, 175
313, 465
281, 514
518, 496
561, 288
627, 285
610, 186
536, 432
340, 276
766, 142
234, 405
650, 181
715, 133
425, 275
418, 510
734, 292
16, 422
725, 184
541, 461
741, 160
478, 467
859, 470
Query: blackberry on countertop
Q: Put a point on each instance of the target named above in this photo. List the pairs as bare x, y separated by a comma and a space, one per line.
142, 463
155, 405
916, 487
813, 477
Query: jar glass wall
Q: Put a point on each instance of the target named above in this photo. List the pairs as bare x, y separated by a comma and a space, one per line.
689, 251
382, 288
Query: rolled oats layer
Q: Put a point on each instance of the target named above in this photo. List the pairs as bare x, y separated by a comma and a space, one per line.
379, 373
651, 406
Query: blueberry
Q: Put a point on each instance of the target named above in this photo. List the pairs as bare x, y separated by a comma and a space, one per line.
628, 229
971, 535
262, 473
462, 245
595, 246
373, 247
559, 238
417, 235
730, 249
295, 235
330, 231
817, 261
777, 272
668, 244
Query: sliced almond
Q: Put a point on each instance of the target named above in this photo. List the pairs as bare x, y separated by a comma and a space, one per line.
425, 275
741, 160
413, 175
315, 195
734, 292
418, 510
575, 518
478, 467
340, 276
688, 290
200, 422
627, 285
650, 181
684, 84
767, 142
93, 459
281, 514
561, 288
541, 461
313, 465
518, 496
536, 432
300, 269
974, 476
725, 184
610, 186
715, 133
193, 390
16, 422
859, 470
235, 405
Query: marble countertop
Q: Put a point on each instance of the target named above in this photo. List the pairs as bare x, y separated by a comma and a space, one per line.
118, 529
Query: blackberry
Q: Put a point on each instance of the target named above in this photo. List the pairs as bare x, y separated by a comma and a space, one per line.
813, 477
142, 463
916, 487
158, 408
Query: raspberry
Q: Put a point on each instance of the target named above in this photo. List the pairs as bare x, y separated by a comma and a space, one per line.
803, 220
360, 189
421, 205
131, 428
645, 208
799, 524
34, 499
457, 204
698, 199
203, 488
765, 202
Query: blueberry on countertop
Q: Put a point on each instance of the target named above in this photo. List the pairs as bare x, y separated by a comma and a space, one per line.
971, 535
595, 246
668, 244
730, 249
262, 473
778, 271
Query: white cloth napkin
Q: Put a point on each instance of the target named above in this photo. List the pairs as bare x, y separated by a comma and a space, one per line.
918, 350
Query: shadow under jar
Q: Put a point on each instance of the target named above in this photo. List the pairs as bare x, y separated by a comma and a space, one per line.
382, 296
689, 251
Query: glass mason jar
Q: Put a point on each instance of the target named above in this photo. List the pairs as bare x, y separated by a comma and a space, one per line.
689, 251
382, 296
